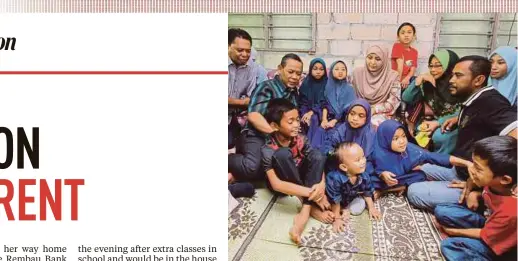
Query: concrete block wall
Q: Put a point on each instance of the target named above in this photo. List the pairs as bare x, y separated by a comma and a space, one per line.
347, 37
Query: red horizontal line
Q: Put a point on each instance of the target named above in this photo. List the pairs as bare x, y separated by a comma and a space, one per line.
118, 72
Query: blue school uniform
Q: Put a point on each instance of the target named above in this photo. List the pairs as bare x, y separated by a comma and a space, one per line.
338, 95
363, 136
311, 97
401, 164
339, 189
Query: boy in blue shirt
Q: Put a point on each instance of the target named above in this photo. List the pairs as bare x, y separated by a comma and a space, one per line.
348, 187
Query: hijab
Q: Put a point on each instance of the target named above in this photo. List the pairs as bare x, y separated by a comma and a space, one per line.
313, 89
388, 160
507, 84
439, 97
375, 86
338, 93
364, 135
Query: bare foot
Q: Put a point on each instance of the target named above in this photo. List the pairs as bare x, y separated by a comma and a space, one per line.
439, 227
299, 222
345, 215
296, 230
400, 192
436, 223
326, 217
377, 194
295, 235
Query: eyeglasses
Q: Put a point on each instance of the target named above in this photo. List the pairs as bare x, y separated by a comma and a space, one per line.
434, 66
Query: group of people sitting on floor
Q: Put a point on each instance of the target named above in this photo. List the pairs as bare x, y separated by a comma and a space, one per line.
446, 138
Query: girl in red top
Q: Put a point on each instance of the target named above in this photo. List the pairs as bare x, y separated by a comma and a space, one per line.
404, 56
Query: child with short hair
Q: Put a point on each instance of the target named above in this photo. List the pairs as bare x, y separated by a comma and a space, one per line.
404, 56
491, 236
349, 187
293, 168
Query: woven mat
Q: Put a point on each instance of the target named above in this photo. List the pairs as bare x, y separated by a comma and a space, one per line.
258, 230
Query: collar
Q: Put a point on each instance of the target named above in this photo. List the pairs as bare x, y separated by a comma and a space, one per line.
346, 178
277, 142
286, 89
230, 62
474, 96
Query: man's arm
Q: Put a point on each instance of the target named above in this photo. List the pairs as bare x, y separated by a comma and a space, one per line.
259, 122
257, 108
238, 102
286, 187
464, 232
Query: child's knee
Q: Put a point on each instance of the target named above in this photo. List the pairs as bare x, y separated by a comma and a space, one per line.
356, 211
446, 214
283, 154
427, 168
252, 166
451, 247
316, 156
357, 206
441, 212
415, 193
446, 245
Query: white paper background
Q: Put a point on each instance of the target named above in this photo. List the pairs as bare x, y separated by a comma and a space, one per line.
150, 147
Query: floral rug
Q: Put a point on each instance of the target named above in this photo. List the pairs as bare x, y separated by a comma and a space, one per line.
258, 230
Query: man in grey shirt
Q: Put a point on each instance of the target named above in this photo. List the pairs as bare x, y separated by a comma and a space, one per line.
242, 79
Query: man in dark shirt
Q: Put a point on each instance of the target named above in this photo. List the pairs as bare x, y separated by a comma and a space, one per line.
245, 164
484, 113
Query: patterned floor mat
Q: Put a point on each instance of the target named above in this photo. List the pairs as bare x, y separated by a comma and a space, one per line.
246, 217
405, 232
258, 230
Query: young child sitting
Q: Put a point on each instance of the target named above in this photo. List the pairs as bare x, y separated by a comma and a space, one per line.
356, 128
338, 94
349, 186
396, 161
292, 167
492, 236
